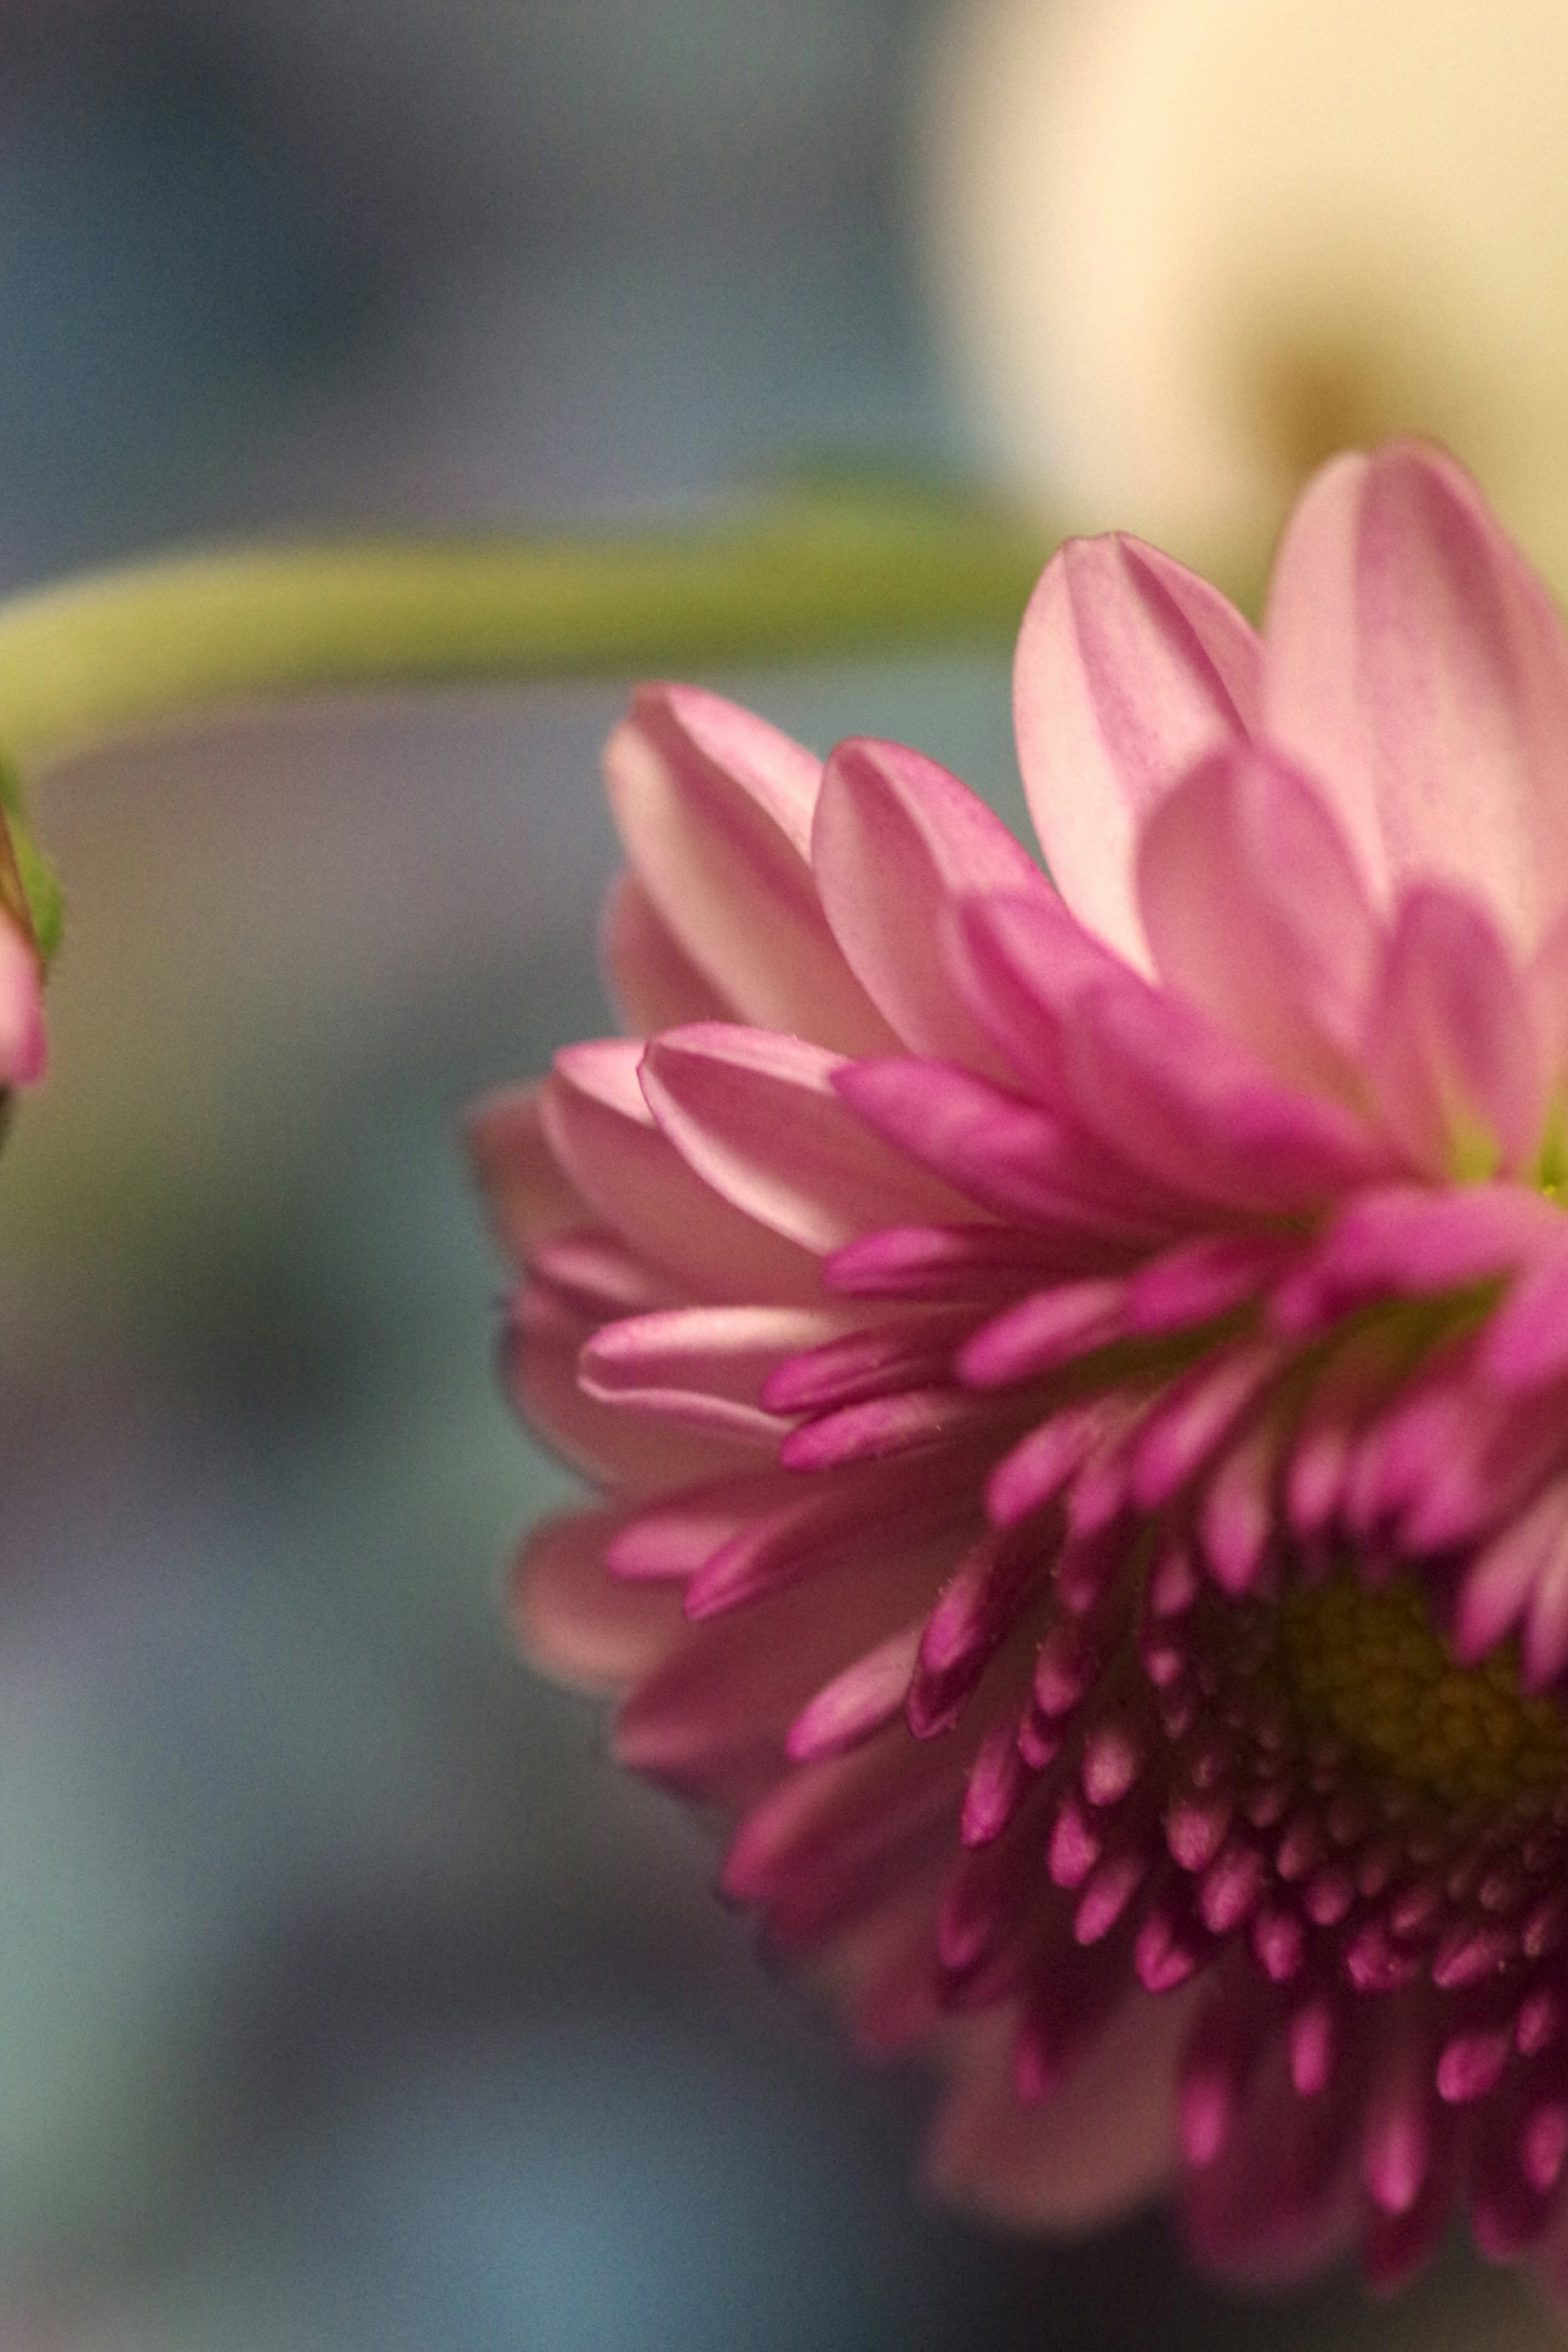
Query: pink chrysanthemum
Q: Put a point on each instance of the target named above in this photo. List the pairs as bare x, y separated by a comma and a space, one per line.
1082, 1381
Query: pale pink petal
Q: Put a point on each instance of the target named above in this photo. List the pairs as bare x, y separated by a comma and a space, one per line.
702, 1366
1100, 2145
1254, 910
1128, 668
1417, 668
894, 840
575, 1621
757, 1118
1451, 1051
23, 1045
630, 1451
654, 983
715, 807
597, 1273
604, 1134
527, 1194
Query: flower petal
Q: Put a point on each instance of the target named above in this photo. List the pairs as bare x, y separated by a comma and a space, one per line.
715, 809
527, 1194
1416, 666
628, 1451
1451, 1047
1008, 1155
655, 983
896, 838
572, 1619
702, 1366
1149, 1081
1129, 667
757, 1118
604, 1134
1254, 909
1098, 2147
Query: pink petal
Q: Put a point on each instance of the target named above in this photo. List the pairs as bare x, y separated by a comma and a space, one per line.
598, 1275
1157, 1087
1099, 2146
603, 1133
858, 1703
1022, 962
911, 1513
915, 1421
625, 1450
655, 985
1255, 911
702, 1366
1525, 1345
575, 1621
1046, 1330
715, 809
1500, 1583
1451, 1050
1004, 1153
1129, 667
906, 1351
1279, 2202
894, 840
758, 1118
1406, 1237
527, 1194
723, 1700
979, 1263
23, 1045
671, 1537
1196, 1110
1546, 987
1416, 666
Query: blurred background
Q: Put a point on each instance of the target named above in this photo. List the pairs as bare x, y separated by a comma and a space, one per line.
348, 1998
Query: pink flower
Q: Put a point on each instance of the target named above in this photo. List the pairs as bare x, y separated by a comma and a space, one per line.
1080, 1382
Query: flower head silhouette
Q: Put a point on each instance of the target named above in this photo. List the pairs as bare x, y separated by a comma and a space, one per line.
1078, 1376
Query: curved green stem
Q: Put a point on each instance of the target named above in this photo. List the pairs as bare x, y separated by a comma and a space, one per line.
819, 576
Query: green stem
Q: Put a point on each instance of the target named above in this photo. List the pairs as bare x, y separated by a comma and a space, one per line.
823, 576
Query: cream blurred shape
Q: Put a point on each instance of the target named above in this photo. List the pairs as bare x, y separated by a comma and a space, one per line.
1183, 250
1078, 1382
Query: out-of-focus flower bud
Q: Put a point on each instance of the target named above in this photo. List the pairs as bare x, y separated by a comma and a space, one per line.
1185, 249
23, 1041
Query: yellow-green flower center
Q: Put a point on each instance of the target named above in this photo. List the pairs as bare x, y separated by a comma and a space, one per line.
1370, 1668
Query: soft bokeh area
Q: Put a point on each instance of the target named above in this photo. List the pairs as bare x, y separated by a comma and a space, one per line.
349, 1998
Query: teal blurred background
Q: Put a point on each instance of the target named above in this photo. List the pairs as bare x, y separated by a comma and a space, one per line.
348, 1998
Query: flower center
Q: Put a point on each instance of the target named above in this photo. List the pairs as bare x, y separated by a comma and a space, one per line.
1370, 1668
